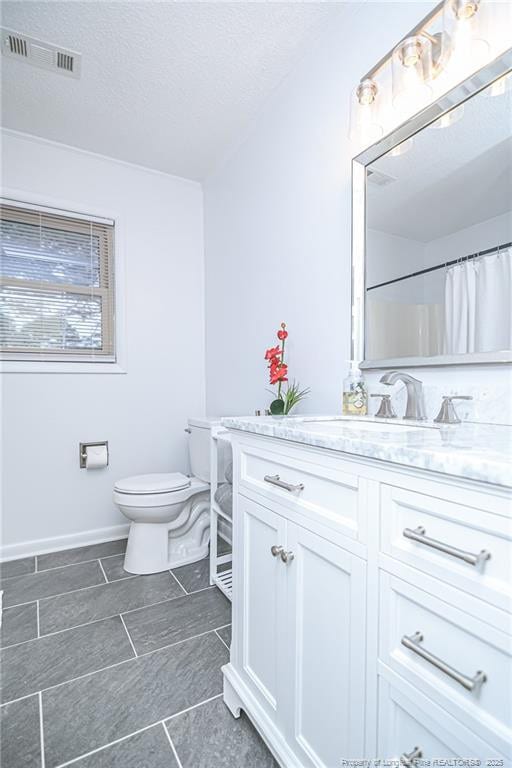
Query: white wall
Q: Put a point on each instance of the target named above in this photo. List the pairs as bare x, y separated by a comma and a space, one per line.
389, 256
277, 231
141, 413
479, 237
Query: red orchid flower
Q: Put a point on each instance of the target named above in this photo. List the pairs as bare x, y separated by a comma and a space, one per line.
272, 353
278, 373
282, 334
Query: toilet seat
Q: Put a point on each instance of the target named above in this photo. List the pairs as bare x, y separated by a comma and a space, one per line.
147, 498
153, 484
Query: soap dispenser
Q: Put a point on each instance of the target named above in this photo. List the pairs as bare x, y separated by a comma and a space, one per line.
355, 393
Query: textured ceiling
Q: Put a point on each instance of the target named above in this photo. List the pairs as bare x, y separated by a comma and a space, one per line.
166, 85
451, 178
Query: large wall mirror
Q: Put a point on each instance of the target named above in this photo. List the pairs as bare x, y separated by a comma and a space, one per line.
432, 233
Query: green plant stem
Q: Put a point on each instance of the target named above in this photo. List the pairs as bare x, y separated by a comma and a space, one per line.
282, 362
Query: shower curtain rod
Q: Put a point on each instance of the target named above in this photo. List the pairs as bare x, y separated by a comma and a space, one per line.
443, 266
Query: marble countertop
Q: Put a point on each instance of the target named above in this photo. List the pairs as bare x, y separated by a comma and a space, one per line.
474, 451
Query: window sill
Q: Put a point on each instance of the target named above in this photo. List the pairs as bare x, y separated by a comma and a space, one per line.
45, 366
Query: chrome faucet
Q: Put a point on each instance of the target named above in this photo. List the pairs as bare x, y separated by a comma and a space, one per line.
415, 408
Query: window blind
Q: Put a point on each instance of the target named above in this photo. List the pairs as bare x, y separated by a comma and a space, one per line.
56, 286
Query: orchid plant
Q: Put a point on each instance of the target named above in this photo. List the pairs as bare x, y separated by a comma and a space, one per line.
284, 400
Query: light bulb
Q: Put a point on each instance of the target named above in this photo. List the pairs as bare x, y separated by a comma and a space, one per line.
410, 52
466, 9
466, 32
411, 73
365, 124
366, 92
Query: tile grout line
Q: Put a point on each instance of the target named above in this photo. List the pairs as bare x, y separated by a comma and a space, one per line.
106, 746
139, 730
220, 638
117, 664
38, 623
70, 592
41, 727
103, 618
54, 567
178, 582
194, 591
103, 572
176, 756
129, 638
193, 706
92, 586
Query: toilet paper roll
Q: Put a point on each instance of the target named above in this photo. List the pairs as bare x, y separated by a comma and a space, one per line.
96, 456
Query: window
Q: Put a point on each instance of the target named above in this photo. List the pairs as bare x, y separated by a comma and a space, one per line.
56, 286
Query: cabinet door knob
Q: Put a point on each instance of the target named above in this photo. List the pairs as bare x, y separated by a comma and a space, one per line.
276, 550
409, 758
287, 557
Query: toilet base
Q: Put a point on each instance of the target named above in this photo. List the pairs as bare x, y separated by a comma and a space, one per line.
192, 555
158, 547
147, 550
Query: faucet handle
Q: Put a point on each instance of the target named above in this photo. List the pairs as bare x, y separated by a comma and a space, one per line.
385, 410
447, 413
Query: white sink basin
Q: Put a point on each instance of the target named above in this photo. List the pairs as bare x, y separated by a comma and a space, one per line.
337, 426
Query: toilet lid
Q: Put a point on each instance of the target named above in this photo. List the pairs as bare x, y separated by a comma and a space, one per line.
157, 483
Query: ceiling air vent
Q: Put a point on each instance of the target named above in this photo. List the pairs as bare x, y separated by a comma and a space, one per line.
40, 54
378, 178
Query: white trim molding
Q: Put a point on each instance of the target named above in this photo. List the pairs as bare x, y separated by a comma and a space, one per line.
59, 543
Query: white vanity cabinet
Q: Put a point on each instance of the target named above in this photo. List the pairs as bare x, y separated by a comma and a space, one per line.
325, 658
327, 585
300, 616
298, 622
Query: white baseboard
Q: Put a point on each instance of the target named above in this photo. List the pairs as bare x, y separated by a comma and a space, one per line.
57, 543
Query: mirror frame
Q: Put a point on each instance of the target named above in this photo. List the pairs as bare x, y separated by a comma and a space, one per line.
465, 90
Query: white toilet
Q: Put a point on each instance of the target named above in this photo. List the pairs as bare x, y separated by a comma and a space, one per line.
169, 513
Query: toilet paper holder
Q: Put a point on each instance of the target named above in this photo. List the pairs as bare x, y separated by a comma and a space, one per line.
83, 452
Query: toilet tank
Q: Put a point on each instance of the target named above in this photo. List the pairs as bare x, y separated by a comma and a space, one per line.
199, 448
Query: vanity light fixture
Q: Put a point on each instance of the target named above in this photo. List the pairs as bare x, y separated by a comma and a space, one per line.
364, 120
453, 32
411, 70
366, 92
464, 31
464, 9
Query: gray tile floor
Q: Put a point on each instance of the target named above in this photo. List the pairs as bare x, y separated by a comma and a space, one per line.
103, 669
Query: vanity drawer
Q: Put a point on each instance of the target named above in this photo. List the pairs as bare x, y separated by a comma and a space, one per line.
411, 725
446, 539
313, 489
441, 649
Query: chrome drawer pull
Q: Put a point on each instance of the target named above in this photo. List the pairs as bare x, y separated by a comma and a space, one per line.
412, 642
409, 758
276, 550
275, 480
418, 534
287, 557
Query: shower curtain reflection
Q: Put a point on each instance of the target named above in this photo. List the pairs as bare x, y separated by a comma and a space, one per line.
478, 314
